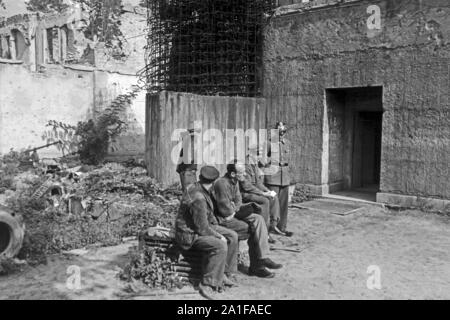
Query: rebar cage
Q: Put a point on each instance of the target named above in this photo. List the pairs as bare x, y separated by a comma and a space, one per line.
207, 47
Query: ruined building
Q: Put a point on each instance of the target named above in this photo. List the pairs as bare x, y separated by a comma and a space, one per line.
363, 85
49, 70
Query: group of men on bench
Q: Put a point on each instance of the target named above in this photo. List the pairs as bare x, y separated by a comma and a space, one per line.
217, 212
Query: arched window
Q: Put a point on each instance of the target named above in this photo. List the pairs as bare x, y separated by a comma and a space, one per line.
68, 50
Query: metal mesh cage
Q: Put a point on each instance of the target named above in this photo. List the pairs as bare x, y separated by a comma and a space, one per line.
208, 47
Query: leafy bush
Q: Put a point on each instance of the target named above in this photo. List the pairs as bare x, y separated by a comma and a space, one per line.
9, 168
64, 133
92, 139
153, 269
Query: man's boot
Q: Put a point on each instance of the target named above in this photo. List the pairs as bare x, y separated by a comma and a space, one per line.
268, 263
260, 272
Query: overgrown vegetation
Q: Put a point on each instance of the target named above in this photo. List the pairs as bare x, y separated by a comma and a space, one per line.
119, 202
153, 269
97, 136
93, 139
9, 168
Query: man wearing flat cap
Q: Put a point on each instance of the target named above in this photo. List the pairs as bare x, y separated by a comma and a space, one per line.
228, 201
197, 228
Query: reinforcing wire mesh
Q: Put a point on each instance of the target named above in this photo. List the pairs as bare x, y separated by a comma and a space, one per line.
208, 47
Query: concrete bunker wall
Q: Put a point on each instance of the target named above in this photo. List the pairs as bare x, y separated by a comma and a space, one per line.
169, 112
311, 50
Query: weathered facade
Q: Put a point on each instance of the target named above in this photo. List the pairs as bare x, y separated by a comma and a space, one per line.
367, 100
50, 71
219, 120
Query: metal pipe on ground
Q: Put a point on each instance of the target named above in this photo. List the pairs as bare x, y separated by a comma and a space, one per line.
11, 234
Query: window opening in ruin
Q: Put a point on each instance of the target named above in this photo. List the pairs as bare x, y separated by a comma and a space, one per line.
20, 44
53, 45
5, 52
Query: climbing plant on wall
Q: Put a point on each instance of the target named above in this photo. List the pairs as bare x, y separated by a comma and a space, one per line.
93, 139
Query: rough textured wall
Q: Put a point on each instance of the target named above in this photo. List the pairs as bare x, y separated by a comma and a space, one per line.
133, 26
28, 101
170, 111
67, 90
331, 47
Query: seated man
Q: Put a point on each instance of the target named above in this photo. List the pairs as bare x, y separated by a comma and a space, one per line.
254, 190
197, 228
228, 202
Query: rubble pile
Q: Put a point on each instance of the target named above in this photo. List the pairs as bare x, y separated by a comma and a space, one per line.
67, 206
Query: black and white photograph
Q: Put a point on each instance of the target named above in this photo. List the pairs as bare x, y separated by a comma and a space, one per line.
246, 151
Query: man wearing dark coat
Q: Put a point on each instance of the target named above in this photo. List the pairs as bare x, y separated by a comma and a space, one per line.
228, 203
197, 228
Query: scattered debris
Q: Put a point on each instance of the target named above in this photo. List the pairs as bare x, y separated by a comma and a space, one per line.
286, 249
74, 206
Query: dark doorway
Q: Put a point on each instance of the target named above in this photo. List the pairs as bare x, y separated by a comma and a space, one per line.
355, 117
367, 150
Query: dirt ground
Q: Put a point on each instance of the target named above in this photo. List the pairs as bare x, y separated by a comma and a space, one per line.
411, 249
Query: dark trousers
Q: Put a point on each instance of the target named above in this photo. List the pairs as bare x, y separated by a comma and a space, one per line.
283, 197
270, 208
258, 244
215, 255
187, 178
219, 257
233, 249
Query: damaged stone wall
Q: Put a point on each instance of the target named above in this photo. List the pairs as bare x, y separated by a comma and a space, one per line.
29, 100
325, 44
62, 76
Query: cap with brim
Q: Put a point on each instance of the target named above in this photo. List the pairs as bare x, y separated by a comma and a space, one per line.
209, 174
